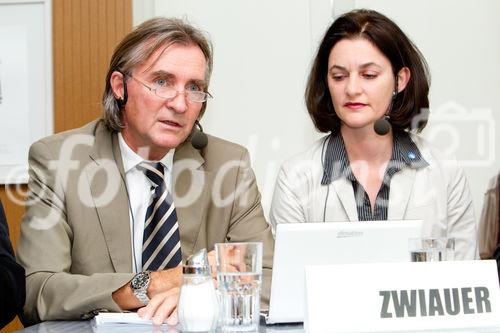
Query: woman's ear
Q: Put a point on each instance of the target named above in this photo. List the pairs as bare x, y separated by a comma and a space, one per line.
403, 78
116, 81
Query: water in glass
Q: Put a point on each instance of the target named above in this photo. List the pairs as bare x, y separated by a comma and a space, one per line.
239, 299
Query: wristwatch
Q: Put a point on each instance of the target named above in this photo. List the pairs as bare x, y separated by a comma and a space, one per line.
139, 285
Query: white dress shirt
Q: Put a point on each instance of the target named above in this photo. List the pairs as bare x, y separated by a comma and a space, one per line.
140, 194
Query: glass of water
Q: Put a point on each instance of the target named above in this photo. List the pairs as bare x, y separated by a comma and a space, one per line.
432, 249
239, 276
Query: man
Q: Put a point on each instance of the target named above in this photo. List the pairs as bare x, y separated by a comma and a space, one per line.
12, 281
102, 214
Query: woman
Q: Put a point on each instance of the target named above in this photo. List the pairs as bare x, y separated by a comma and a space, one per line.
368, 88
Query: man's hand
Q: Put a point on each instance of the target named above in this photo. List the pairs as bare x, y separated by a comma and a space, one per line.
160, 283
161, 307
213, 264
232, 258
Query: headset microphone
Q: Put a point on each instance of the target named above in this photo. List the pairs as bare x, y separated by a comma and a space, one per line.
199, 140
382, 126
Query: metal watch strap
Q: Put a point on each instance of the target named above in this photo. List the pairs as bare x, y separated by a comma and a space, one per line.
141, 292
142, 296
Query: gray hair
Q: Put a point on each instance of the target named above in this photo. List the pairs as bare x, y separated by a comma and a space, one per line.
136, 47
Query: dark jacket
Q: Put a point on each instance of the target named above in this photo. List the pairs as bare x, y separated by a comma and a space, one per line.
12, 278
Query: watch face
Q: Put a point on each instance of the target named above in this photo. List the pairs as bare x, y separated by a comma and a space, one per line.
140, 280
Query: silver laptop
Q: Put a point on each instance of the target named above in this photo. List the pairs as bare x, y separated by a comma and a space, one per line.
301, 244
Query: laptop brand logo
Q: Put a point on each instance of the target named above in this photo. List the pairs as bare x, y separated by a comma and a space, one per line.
347, 234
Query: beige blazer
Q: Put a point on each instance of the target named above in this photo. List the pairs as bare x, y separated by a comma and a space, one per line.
75, 235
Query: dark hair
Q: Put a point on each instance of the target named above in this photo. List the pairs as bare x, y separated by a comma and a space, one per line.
395, 45
136, 47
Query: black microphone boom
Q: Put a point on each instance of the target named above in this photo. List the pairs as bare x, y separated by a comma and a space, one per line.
382, 126
199, 140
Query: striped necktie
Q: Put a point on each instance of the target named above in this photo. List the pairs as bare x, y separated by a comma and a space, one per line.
161, 246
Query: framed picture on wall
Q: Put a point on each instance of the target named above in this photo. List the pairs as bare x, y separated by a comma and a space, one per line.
25, 83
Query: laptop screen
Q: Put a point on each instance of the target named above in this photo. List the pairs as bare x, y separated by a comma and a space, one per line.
301, 244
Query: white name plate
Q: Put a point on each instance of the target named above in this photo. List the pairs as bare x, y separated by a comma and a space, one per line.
402, 296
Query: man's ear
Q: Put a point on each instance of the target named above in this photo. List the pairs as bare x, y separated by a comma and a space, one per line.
116, 82
403, 78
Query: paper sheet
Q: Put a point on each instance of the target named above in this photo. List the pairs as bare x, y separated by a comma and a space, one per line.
116, 318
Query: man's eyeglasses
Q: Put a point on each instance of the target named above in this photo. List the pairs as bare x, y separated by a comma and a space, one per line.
167, 92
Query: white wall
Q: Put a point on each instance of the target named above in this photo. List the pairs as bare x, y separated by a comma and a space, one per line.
263, 50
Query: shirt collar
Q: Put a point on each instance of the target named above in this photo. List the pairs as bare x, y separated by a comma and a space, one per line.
336, 160
131, 159
405, 153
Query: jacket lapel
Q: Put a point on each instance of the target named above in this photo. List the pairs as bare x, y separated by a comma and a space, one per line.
191, 191
399, 195
345, 193
107, 186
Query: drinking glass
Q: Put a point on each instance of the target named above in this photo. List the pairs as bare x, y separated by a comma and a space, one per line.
431, 249
239, 278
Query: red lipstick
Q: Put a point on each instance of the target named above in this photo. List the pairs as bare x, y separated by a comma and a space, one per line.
354, 105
